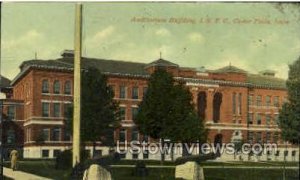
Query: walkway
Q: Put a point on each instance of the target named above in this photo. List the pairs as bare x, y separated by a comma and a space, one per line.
21, 175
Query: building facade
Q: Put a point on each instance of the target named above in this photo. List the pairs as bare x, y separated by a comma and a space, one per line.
235, 104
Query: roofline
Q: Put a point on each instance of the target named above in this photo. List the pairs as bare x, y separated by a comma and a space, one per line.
204, 81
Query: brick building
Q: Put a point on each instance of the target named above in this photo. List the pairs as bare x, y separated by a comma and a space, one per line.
236, 105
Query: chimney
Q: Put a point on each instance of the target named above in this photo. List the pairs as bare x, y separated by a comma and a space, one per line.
67, 54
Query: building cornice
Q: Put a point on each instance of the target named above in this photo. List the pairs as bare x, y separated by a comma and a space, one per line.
147, 76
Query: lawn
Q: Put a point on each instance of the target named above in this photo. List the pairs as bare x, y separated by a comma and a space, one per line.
42, 168
47, 169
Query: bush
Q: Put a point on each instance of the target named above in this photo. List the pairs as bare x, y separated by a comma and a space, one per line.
64, 159
140, 169
195, 158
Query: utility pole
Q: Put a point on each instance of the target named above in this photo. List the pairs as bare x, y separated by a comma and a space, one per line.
77, 84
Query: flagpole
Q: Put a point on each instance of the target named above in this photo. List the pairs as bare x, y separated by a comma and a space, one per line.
77, 84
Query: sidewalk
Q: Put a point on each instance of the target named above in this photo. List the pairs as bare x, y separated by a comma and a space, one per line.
21, 175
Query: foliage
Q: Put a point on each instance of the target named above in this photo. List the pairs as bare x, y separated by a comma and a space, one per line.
155, 110
64, 159
289, 118
167, 111
99, 112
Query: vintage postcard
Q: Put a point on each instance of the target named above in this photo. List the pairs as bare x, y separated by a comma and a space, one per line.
150, 90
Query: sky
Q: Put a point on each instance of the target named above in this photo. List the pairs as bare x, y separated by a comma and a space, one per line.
251, 36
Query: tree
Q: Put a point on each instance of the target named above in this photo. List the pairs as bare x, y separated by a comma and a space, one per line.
155, 110
185, 125
289, 117
167, 112
99, 115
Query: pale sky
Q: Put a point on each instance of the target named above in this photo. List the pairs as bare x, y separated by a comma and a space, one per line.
235, 34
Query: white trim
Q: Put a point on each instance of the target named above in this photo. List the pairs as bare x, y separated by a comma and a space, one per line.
127, 99
43, 122
243, 128
122, 105
53, 94
201, 85
134, 106
43, 118
54, 101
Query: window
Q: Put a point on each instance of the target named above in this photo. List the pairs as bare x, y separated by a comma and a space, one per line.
67, 110
258, 100
45, 86
240, 104
258, 137
258, 118
275, 137
135, 92
122, 92
134, 111
112, 88
135, 154
268, 119
146, 154
56, 152
67, 135
56, 87
250, 100
56, 109
67, 87
145, 138
135, 135
28, 134
234, 103
45, 109
98, 153
55, 134
250, 137
276, 101
250, 118
268, 101
122, 135
145, 89
45, 153
276, 118
122, 113
11, 112
11, 136
268, 137
46, 133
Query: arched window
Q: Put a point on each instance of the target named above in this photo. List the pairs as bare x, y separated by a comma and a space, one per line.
56, 87
201, 104
67, 87
217, 107
45, 86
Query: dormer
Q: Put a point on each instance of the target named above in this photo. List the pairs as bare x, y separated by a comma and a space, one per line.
162, 64
269, 73
229, 73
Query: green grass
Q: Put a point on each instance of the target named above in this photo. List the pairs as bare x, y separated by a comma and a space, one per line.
46, 168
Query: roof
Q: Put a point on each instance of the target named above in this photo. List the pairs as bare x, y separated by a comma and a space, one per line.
135, 69
266, 81
161, 62
4, 82
230, 69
